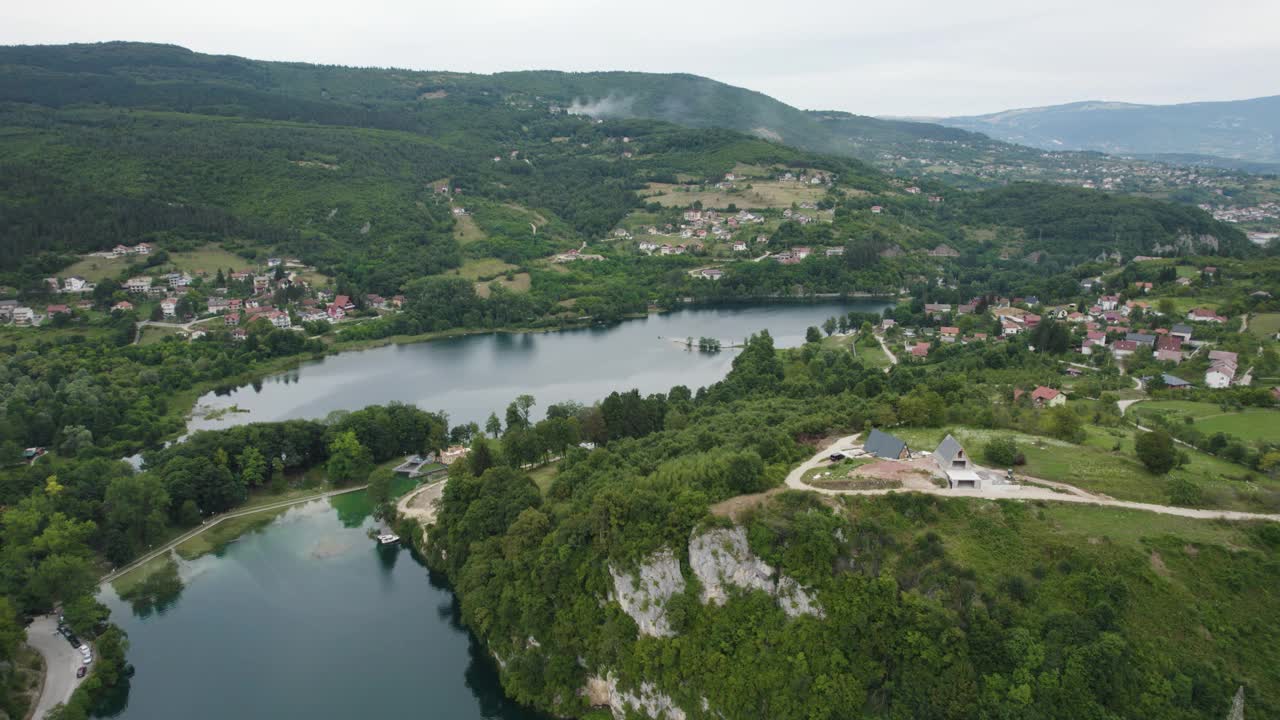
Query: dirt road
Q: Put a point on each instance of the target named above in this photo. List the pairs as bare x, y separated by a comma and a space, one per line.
421, 504
1068, 493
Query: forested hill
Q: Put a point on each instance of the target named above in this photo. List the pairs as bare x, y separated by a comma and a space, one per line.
1239, 129
343, 167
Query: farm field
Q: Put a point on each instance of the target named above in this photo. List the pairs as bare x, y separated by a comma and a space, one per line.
483, 268
465, 230
208, 258
519, 282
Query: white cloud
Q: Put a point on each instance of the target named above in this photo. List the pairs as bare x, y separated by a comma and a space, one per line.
925, 58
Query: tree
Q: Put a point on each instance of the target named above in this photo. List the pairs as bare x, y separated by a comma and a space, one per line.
76, 439
349, 461
493, 426
1155, 450
1001, 451
379, 490
136, 508
188, 513
813, 334
829, 326
1064, 424
253, 466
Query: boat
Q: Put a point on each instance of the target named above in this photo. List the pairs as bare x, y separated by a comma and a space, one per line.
388, 539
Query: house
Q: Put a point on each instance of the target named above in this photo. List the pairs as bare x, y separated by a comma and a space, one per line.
712, 273
335, 312
1123, 348
1108, 302
1173, 382
1223, 355
801, 253
376, 301
6, 309
231, 319
1141, 338
738, 246
952, 460
920, 350
884, 445
1172, 356
1220, 374
75, 283
835, 251
453, 454
217, 305
122, 306
142, 249
239, 334
887, 323
169, 306
1205, 315
1145, 287
274, 262
944, 250
139, 284
1168, 342
877, 209
1047, 397
1181, 331
24, 316
280, 319
950, 334
344, 302
261, 282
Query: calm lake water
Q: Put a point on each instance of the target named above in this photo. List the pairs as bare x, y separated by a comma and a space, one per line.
306, 617
472, 376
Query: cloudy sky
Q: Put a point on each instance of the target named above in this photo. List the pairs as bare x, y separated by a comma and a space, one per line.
917, 58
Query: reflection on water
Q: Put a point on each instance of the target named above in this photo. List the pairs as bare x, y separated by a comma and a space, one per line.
306, 617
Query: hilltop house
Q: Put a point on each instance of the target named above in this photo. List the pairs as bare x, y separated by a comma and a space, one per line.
884, 445
953, 461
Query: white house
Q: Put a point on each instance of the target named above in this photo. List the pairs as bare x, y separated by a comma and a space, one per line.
169, 306
138, 284
953, 461
24, 316
280, 319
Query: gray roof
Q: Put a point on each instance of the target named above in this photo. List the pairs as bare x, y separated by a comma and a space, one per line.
948, 449
1181, 329
1173, 381
1142, 338
883, 445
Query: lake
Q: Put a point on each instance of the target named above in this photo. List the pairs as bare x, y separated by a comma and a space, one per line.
306, 617
471, 376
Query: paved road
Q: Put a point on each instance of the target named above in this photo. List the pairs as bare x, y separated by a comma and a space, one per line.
60, 660
1070, 493
217, 519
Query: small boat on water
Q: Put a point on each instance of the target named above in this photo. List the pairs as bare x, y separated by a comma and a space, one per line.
388, 539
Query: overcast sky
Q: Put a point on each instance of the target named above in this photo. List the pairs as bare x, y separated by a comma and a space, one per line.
922, 58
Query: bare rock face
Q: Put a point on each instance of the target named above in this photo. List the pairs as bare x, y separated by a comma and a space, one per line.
645, 700
643, 595
721, 558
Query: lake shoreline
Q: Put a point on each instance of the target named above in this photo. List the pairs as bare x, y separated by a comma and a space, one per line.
187, 401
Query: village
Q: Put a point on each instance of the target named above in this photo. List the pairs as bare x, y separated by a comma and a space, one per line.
199, 302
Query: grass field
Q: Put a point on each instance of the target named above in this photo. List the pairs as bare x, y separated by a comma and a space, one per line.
1249, 424
208, 258
763, 194
224, 533
465, 230
1265, 325
519, 282
152, 334
542, 476
1097, 466
484, 267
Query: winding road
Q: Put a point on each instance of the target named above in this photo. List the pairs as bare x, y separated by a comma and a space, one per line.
1061, 492
60, 662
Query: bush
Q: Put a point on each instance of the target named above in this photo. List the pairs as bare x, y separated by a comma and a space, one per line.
1002, 452
1155, 450
1184, 492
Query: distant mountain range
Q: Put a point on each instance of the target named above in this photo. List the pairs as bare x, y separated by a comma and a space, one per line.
1242, 130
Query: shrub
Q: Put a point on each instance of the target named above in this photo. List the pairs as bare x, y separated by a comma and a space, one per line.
1002, 451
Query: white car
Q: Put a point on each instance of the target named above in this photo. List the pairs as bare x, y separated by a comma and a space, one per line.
84, 650
87, 659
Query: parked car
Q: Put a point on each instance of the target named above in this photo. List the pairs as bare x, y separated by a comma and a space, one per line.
81, 671
87, 659
835, 457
